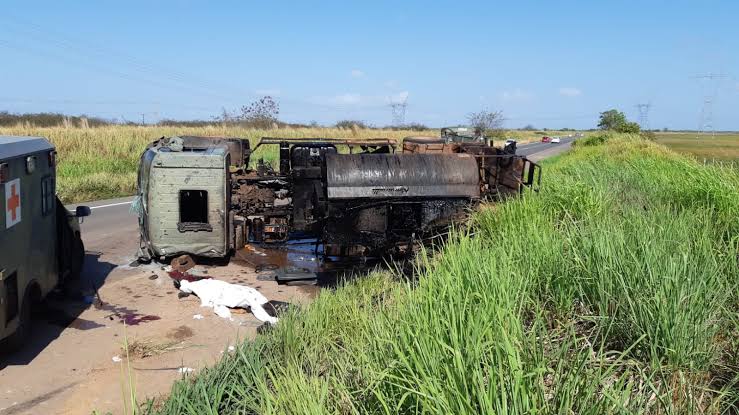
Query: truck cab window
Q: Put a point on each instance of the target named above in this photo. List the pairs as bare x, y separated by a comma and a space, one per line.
193, 206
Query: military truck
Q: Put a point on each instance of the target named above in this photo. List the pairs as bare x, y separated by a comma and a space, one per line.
40, 243
203, 196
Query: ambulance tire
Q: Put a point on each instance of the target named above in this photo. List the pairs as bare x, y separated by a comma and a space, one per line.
21, 334
78, 258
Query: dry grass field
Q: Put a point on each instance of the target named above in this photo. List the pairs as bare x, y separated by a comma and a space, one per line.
722, 148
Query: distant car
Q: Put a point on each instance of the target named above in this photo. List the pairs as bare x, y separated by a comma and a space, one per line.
546, 139
510, 146
556, 140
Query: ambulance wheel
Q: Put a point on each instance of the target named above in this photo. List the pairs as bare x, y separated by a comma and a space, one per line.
21, 334
78, 258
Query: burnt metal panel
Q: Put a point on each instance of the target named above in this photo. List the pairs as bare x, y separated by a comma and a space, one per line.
360, 176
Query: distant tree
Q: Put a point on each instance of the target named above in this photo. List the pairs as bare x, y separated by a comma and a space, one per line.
664, 130
616, 121
529, 127
489, 123
349, 124
262, 113
611, 120
415, 126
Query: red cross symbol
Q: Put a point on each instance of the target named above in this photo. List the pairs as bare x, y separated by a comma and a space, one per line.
14, 202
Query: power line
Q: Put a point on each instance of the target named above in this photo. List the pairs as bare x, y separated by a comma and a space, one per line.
397, 108
644, 115
709, 98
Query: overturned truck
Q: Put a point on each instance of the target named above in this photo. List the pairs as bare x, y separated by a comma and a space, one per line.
205, 196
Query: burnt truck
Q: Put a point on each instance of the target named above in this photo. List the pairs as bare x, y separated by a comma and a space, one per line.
205, 196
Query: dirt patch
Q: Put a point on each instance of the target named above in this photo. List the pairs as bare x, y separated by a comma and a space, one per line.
180, 333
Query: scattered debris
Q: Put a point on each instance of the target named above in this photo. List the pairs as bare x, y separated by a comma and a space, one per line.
198, 317
291, 274
182, 263
153, 277
265, 267
147, 348
185, 370
117, 359
275, 307
271, 276
186, 276
231, 348
221, 295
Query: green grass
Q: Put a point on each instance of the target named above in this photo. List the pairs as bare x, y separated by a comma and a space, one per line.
613, 290
722, 148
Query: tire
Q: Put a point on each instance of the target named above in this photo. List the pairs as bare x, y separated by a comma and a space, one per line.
257, 230
239, 237
16, 340
78, 258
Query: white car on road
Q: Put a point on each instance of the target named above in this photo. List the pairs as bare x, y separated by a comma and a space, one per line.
555, 140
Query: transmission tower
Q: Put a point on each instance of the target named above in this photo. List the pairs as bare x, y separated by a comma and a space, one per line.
644, 115
398, 111
709, 98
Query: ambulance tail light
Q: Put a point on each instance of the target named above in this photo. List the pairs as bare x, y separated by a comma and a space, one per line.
52, 158
4, 173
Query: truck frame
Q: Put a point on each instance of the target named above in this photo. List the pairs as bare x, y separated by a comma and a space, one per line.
363, 197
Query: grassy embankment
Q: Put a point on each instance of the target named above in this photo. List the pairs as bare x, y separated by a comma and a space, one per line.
613, 290
101, 162
723, 148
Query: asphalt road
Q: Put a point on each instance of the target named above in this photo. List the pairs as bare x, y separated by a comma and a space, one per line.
113, 220
539, 150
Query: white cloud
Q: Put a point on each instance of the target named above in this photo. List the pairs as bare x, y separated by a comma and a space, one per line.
570, 92
270, 92
516, 95
356, 73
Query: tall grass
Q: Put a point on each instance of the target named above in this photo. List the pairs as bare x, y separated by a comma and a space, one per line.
613, 290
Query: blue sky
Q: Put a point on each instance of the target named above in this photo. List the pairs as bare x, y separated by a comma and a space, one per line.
550, 64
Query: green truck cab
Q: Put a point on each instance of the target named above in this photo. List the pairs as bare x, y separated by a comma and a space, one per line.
40, 243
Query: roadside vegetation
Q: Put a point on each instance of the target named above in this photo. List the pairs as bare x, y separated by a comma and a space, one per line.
613, 290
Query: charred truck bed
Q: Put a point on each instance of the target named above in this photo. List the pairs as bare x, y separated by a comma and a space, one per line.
200, 196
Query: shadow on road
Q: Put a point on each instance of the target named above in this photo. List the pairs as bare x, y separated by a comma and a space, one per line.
61, 311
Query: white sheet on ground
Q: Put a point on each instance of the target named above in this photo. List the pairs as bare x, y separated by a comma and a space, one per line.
221, 295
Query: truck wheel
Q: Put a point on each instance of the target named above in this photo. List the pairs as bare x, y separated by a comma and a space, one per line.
239, 237
257, 230
21, 334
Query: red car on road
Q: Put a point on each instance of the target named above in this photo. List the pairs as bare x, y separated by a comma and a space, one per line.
546, 139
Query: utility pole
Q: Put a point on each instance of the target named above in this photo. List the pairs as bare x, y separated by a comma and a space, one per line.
398, 111
709, 98
143, 119
644, 115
